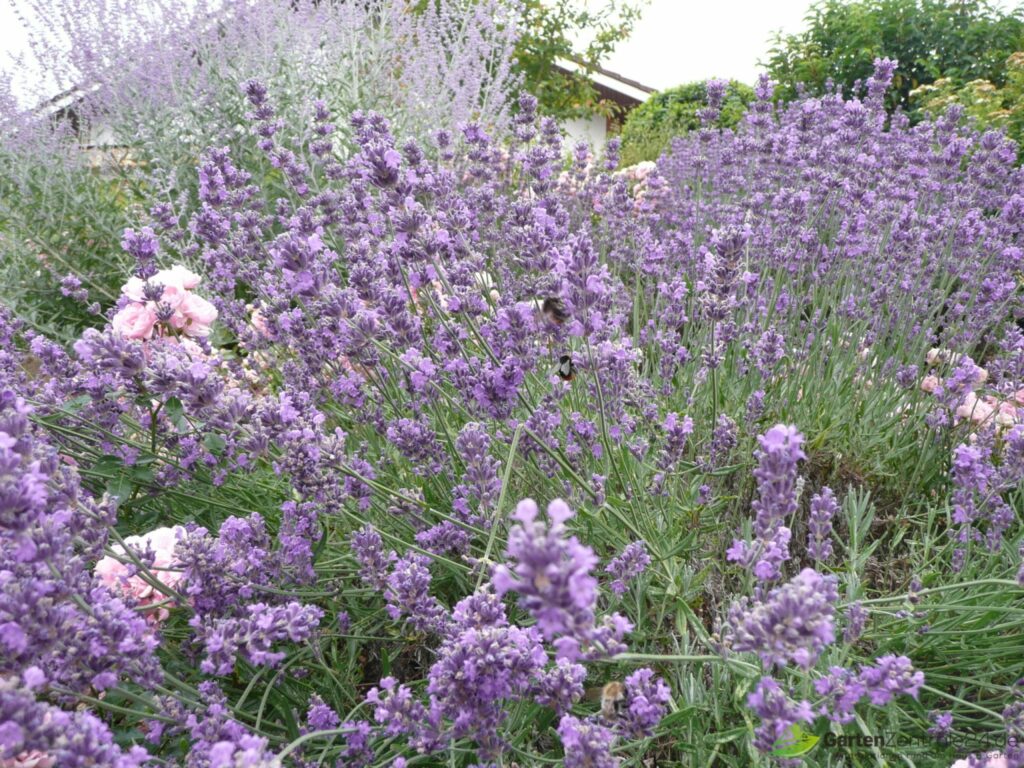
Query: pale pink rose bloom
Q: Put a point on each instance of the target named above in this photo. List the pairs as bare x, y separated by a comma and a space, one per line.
981, 374
259, 322
135, 321
641, 170
193, 349
1006, 413
33, 759
133, 289
115, 575
975, 409
195, 315
930, 383
176, 281
179, 275
994, 761
1019, 396
173, 294
938, 355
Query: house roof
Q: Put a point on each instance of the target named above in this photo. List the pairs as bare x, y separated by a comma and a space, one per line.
610, 85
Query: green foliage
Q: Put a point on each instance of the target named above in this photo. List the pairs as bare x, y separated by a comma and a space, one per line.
932, 39
650, 127
551, 32
988, 105
58, 219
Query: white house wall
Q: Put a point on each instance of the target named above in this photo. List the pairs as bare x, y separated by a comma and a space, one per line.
592, 130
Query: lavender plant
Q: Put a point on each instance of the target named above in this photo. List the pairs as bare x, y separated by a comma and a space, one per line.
274, 506
146, 87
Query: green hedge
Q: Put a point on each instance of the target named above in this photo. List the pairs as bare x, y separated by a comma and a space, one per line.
650, 127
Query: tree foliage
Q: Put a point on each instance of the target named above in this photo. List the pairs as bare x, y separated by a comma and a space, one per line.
649, 128
552, 32
982, 101
932, 39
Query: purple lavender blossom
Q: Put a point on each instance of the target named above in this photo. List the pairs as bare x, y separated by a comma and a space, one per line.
842, 690
319, 716
481, 481
776, 476
856, 620
892, 675
677, 432
255, 635
777, 711
778, 490
561, 686
408, 595
630, 563
400, 714
819, 535
794, 623
476, 672
586, 744
374, 563
942, 725
550, 571
646, 703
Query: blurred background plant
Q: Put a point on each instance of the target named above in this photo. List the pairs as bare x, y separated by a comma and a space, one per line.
932, 39
143, 88
987, 105
650, 128
566, 31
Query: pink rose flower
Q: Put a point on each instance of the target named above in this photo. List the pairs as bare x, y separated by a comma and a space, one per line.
134, 288
178, 275
930, 383
974, 408
116, 575
192, 315
176, 283
195, 315
135, 321
994, 760
32, 759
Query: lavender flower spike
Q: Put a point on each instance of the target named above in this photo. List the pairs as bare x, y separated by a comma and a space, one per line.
819, 536
794, 623
551, 571
627, 566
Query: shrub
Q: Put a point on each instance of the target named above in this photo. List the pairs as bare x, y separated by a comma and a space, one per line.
930, 39
159, 85
650, 127
990, 107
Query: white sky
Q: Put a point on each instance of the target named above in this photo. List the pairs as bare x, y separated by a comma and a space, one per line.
679, 41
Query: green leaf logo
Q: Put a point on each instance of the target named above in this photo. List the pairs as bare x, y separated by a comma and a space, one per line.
794, 743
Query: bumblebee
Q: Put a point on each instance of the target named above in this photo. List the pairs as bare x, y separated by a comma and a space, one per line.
566, 370
554, 310
612, 696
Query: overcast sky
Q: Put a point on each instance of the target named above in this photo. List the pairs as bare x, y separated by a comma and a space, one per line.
678, 41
